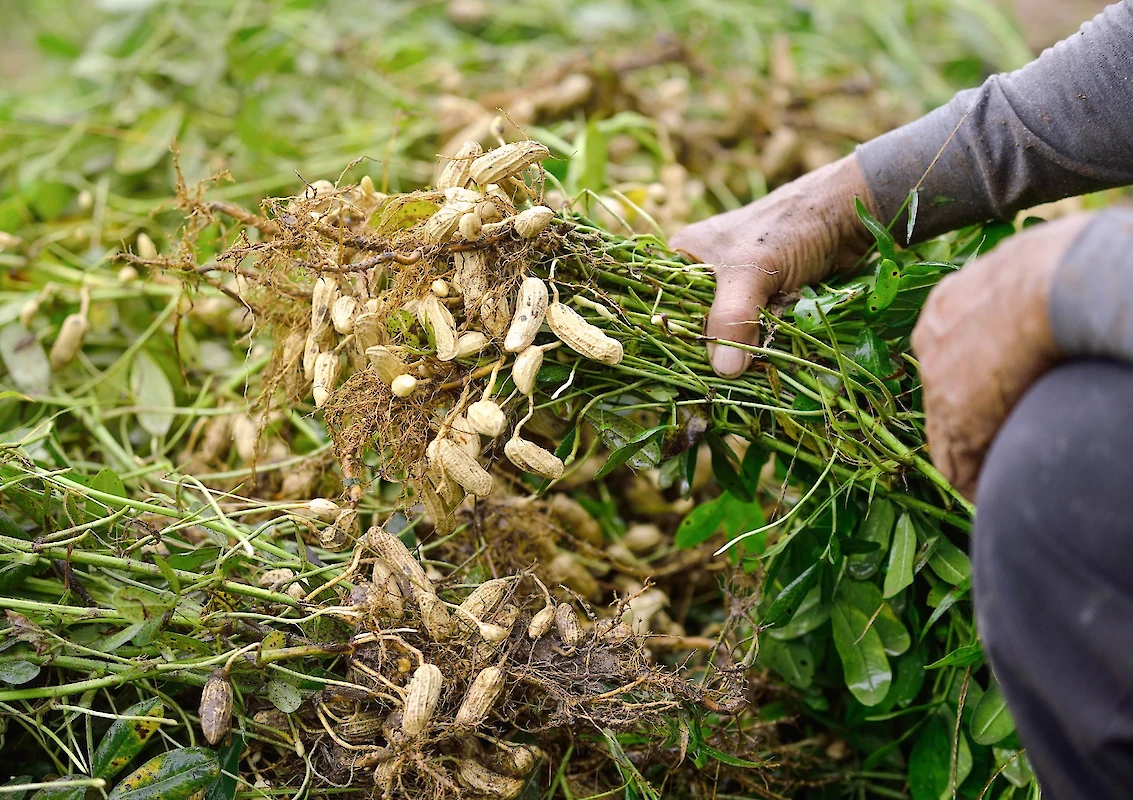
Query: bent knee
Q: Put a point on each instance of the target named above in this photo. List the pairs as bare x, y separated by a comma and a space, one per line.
1055, 490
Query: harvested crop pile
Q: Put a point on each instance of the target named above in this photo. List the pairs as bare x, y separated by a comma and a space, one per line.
500, 384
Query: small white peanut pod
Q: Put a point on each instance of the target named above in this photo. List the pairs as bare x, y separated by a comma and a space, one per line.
440, 227
485, 598
526, 368
464, 435
455, 194
470, 344
342, 314
542, 622
400, 560
434, 616
530, 308
486, 418
470, 225
145, 247
422, 694
403, 385
482, 780
312, 349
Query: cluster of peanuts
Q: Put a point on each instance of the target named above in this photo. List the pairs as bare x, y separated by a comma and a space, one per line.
400, 593
464, 318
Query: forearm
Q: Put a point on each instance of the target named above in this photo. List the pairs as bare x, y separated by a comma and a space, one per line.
1061, 126
1090, 303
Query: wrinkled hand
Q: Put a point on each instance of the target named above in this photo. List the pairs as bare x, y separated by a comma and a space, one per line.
982, 339
798, 234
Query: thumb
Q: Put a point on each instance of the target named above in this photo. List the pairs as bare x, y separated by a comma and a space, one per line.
740, 293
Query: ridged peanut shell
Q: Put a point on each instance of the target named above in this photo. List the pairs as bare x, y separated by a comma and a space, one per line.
530, 308
422, 694
533, 459
482, 695
507, 160
456, 172
582, 337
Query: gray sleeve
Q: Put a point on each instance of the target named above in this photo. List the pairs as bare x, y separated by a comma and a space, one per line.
1091, 297
1061, 126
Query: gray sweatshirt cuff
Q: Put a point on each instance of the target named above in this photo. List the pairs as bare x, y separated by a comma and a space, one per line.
1091, 298
1061, 126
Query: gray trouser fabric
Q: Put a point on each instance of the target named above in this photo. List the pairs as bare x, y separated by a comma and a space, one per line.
1053, 576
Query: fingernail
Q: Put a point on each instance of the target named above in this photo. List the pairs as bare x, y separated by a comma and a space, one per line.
729, 361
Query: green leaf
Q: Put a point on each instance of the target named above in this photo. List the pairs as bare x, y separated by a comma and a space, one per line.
886, 287
18, 780
1016, 767
877, 528
960, 657
872, 354
176, 775
867, 598
930, 763
153, 393
950, 563
908, 678
700, 523
224, 788
732, 761
53, 792
946, 602
793, 661
126, 737
901, 557
193, 559
740, 517
790, 599
811, 615
167, 573
886, 245
284, 696
587, 170
991, 721
629, 449
864, 664
149, 140
138, 605
18, 672
725, 472
811, 307
616, 431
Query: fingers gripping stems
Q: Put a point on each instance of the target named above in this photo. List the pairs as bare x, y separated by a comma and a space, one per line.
740, 293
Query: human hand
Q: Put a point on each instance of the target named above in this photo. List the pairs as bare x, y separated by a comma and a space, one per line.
798, 234
982, 339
